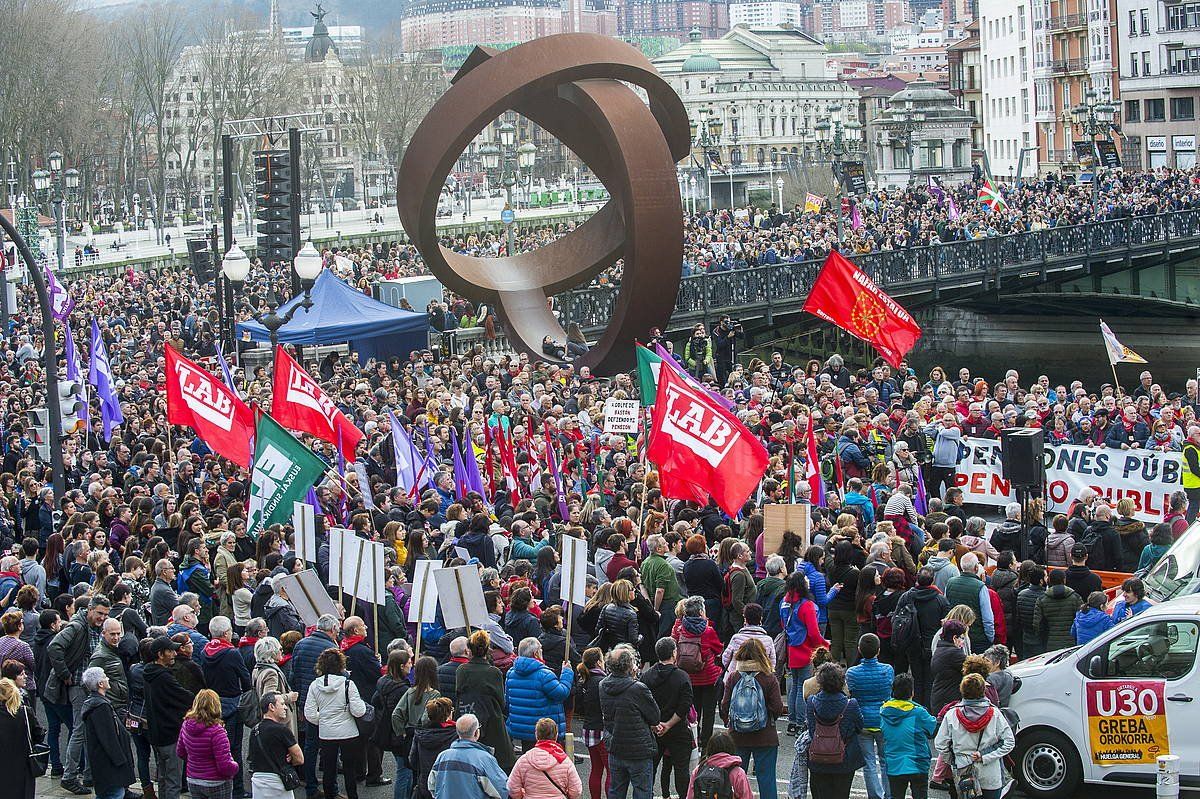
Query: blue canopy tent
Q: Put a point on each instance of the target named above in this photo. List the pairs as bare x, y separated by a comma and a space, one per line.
343, 315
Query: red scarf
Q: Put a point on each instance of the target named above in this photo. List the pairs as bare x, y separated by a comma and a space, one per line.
553, 748
351, 640
216, 645
248, 640
978, 724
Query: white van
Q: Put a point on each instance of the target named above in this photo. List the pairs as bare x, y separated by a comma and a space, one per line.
1104, 711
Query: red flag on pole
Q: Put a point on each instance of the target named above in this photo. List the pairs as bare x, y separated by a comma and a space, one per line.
204, 403
845, 296
298, 403
701, 449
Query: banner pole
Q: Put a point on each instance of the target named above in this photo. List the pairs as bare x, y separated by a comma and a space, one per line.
357, 578
462, 600
375, 605
1116, 380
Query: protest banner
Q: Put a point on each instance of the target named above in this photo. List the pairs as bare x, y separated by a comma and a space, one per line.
1148, 478
304, 592
1127, 721
777, 519
620, 416
461, 596
304, 527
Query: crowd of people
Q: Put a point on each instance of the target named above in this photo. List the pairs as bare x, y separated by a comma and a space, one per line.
145, 643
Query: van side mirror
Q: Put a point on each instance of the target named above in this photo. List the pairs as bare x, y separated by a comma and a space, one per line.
1096, 667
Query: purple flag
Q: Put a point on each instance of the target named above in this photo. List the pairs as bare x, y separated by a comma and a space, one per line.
226, 374
936, 192
471, 462
920, 500
856, 222
952, 210
462, 483
61, 303
411, 470
100, 376
74, 370
671, 363
560, 492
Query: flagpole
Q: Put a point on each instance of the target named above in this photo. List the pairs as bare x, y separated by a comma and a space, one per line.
1116, 380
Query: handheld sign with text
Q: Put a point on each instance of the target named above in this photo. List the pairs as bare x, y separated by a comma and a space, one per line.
574, 570
620, 416
422, 608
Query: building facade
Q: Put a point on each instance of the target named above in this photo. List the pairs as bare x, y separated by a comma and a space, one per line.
966, 83
1159, 67
922, 134
1005, 58
767, 13
430, 24
858, 20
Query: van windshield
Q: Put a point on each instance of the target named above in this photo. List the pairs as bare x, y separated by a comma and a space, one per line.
1176, 573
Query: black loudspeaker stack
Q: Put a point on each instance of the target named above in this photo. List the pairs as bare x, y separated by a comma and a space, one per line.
1021, 456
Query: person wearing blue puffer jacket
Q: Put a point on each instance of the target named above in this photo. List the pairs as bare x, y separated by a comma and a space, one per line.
814, 559
907, 730
1091, 620
533, 691
870, 682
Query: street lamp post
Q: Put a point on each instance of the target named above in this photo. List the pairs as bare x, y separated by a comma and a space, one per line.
1094, 116
236, 267
903, 125
707, 133
779, 185
59, 182
837, 141
510, 162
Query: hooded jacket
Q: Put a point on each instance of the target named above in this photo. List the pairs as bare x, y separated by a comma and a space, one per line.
225, 669
1054, 614
769, 735
1031, 639
534, 692
479, 545
710, 647
206, 747
1058, 547
1004, 583
825, 708
943, 569
945, 671
166, 703
427, 744
1090, 622
738, 780
742, 636
540, 771
107, 745
281, 617
907, 729
672, 690
1133, 540
1007, 535
629, 711
328, 708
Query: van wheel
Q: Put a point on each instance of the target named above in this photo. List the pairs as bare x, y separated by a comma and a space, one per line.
1047, 765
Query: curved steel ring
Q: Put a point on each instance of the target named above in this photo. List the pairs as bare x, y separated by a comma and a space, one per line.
574, 86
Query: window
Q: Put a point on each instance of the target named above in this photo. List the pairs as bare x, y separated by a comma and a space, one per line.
1132, 22
1145, 63
1154, 110
931, 153
1183, 108
1133, 65
1145, 22
1183, 17
1159, 650
1183, 60
1133, 111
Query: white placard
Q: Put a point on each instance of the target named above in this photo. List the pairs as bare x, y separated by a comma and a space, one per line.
573, 582
422, 603
461, 596
462, 552
337, 556
620, 416
304, 525
360, 566
305, 593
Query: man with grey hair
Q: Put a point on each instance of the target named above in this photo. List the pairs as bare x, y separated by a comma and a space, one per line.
225, 672
68, 654
304, 665
106, 741
184, 619
660, 583
1008, 534
630, 715
448, 671
1103, 541
163, 598
468, 769
969, 589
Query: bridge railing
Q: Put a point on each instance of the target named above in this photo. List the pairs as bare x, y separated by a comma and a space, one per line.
726, 292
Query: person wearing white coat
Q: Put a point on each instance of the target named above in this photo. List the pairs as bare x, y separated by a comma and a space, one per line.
975, 731
333, 704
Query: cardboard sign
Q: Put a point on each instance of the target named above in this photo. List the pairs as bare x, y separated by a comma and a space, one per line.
1127, 721
304, 525
620, 416
460, 595
339, 540
305, 593
573, 582
423, 599
777, 519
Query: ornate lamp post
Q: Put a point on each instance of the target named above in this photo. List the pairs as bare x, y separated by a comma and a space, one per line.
839, 142
507, 164
705, 134
59, 182
236, 267
1094, 117
903, 125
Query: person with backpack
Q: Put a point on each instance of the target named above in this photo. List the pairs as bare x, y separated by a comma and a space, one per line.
907, 729
834, 725
389, 690
870, 682
672, 690
798, 614
428, 742
720, 774
916, 622
749, 707
699, 649
770, 591
544, 771
753, 628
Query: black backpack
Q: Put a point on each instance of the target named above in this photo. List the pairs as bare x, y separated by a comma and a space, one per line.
712, 782
770, 605
906, 629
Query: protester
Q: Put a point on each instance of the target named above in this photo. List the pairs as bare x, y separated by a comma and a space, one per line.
20, 730
834, 724
204, 743
167, 702
534, 692
332, 706
467, 770
721, 766
907, 728
589, 675
630, 718
274, 753
698, 650
544, 771
749, 706
870, 683
976, 732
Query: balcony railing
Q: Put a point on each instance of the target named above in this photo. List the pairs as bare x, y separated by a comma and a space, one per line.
1062, 67
783, 286
1068, 21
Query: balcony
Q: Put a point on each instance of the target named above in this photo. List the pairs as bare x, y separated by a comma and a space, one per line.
1059, 156
1067, 22
1067, 66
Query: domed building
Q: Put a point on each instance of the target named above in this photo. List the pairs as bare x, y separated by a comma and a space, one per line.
320, 44
922, 133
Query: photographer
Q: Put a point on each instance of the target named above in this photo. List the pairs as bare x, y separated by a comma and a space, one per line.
724, 346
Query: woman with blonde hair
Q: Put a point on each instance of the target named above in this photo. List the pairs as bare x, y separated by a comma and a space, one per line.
20, 731
205, 744
750, 662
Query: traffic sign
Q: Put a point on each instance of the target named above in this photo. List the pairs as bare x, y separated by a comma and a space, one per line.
507, 216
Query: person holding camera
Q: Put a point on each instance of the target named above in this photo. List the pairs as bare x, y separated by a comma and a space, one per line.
724, 347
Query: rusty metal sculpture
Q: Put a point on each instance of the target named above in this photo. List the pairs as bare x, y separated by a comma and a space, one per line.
575, 86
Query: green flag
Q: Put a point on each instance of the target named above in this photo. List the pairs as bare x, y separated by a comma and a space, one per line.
648, 364
284, 470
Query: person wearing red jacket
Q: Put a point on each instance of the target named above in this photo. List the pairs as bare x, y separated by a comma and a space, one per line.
798, 614
699, 651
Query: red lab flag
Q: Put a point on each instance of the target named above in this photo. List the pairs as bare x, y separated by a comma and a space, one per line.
845, 296
204, 403
298, 403
701, 449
